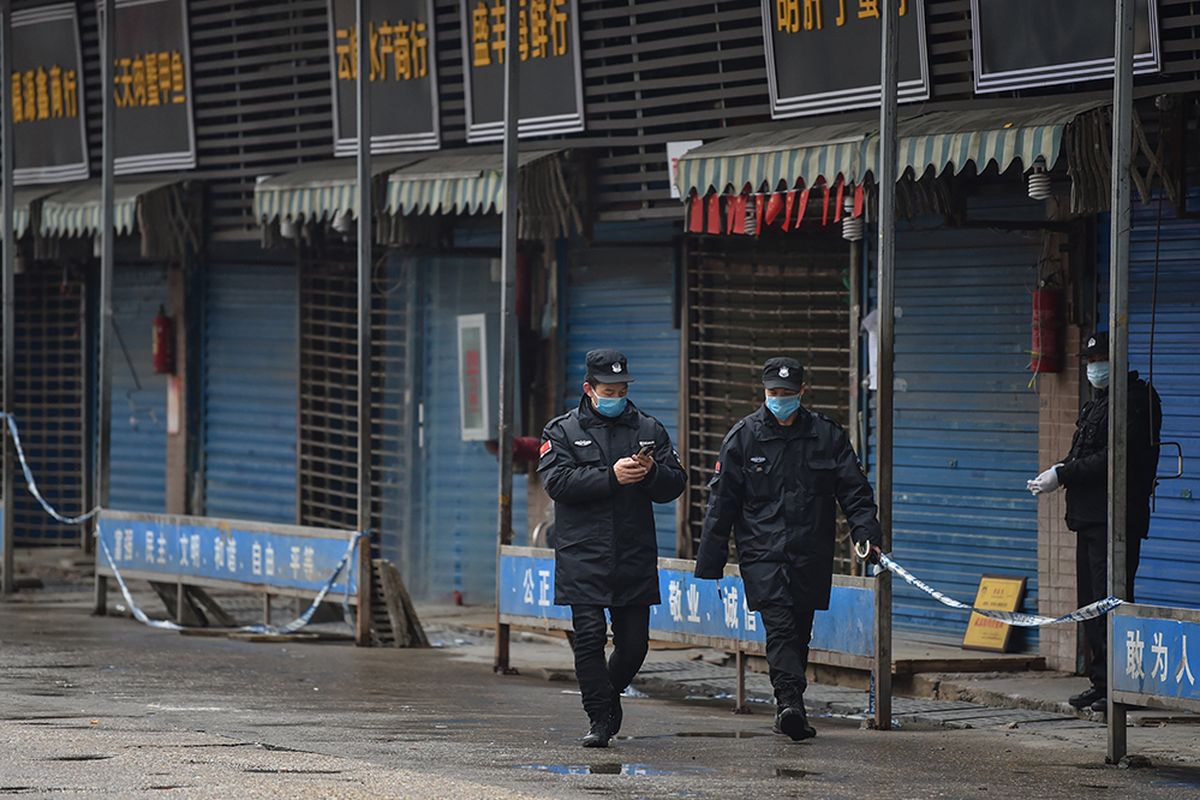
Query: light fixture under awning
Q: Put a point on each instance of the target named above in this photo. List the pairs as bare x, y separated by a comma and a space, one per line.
938, 140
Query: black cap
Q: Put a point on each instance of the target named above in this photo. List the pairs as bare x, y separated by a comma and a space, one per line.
783, 373
1095, 345
607, 366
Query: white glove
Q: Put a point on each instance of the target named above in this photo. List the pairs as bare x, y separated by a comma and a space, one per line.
1045, 483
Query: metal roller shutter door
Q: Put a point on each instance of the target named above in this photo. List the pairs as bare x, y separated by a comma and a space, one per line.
48, 391
138, 465
1169, 573
251, 354
460, 479
623, 297
746, 304
966, 424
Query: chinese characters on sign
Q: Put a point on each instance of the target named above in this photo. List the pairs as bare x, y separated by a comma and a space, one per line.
551, 96
402, 75
1155, 656
1023, 43
270, 558
152, 89
46, 87
810, 69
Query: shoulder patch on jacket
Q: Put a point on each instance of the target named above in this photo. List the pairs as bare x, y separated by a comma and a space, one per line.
545, 448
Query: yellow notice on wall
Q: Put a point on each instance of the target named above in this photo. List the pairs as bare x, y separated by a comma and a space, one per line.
996, 593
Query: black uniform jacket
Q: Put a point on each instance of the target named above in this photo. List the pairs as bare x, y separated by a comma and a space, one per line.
775, 487
606, 552
1084, 472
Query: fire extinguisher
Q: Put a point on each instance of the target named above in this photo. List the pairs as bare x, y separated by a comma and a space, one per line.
1047, 339
163, 343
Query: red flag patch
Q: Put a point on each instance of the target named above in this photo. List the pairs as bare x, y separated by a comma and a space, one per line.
718, 469
545, 448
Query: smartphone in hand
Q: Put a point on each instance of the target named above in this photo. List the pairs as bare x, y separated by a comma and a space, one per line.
646, 450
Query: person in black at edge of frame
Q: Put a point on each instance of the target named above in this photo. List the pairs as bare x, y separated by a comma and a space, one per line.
777, 477
605, 464
1084, 474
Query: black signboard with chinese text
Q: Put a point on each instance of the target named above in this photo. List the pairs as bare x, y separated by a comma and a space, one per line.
46, 90
403, 66
823, 55
1024, 43
152, 87
551, 99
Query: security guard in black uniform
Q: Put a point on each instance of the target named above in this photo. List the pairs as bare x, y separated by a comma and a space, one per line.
779, 473
1084, 474
605, 464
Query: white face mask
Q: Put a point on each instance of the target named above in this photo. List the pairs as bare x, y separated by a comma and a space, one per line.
1097, 374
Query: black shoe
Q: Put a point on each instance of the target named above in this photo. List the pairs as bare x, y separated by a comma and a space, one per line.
793, 723
615, 716
1088, 698
1101, 705
597, 735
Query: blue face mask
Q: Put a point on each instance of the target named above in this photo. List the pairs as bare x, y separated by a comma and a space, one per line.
609, 406
1097, 374
784, 407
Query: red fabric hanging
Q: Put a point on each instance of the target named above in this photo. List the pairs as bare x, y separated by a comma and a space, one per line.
837, 203
803, 206
787, 214
695, 223
859, 200
714, 214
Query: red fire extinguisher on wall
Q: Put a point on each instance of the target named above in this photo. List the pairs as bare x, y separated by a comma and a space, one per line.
1046, 348
163, 343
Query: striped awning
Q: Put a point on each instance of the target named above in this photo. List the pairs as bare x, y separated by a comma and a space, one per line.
23, 200
75, 210
454, 183
942, 140
318, 191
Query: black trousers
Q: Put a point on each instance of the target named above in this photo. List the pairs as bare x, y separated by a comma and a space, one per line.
600, 682
789, 630
1091, 574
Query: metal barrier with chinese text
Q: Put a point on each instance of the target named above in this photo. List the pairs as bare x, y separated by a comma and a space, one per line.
1155, 657
266, 559
701, 612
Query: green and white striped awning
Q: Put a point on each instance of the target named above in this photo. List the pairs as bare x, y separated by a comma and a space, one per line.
23, 200
318, 191
75, 210
454, 183
942, 140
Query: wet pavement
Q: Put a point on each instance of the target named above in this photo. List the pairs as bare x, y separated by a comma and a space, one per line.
106, 707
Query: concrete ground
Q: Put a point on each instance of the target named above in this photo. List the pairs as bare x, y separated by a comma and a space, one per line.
106, 707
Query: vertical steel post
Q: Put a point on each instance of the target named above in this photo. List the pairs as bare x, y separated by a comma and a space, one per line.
103, 460
362, 632
508, 267
1118, 343
9, 327
886, 227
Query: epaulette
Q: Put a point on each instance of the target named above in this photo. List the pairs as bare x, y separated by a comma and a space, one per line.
737, 426
837, 425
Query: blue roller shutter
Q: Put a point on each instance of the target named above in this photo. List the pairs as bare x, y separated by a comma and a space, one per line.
138, 464
966, 436
460, 479
1169, 573
251, 353
623, 297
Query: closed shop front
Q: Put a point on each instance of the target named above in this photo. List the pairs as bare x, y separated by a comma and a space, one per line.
623, 297
251, 356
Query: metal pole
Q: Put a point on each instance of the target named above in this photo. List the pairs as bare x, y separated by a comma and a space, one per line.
9, 327
104, 365
886, 227
508, 267
362, 633
1118, 327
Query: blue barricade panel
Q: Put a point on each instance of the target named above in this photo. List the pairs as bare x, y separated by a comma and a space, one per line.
1154, 656
299, 560
709, 612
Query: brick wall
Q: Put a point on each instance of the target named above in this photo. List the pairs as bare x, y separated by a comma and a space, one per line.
1058, 405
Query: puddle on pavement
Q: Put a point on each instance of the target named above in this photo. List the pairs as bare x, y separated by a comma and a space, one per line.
83, 757
1176, 777
789, 772
17, 790
290, 771
614, 768
701, 735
